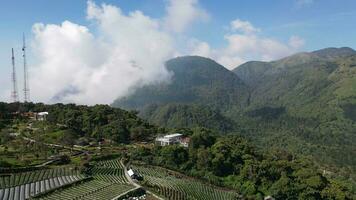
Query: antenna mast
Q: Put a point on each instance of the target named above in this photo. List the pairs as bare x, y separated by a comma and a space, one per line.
26, 88
14, 84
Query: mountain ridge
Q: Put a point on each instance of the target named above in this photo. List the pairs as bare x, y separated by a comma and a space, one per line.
308, 99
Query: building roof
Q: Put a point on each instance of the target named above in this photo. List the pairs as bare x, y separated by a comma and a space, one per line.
130, 172
42, 113
173, 135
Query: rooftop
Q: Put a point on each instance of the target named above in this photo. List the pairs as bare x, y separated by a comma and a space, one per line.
130, 172
43, 113
173, 135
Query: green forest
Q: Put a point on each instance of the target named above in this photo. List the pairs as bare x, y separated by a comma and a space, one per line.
304, 104
233, 162
227, 161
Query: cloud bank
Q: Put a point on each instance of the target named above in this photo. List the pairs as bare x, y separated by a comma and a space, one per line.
77, 66
122, 51
244, 43
182, 13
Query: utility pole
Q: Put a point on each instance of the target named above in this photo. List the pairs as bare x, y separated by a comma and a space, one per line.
26, 88
14, 96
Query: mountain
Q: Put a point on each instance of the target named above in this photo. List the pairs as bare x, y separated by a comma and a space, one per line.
195, 80
311, 98
305, 103
307, 83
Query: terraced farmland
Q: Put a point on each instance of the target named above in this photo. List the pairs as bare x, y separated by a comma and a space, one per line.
90, 190
179, 188
16, 179
30, 189
109, 171
108, 182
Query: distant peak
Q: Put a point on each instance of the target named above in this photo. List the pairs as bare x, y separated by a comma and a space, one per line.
190, 58
190, 62
332, 52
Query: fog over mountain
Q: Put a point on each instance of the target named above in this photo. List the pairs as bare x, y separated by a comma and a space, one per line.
119, 51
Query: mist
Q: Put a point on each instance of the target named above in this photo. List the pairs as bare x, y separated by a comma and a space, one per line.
119, 52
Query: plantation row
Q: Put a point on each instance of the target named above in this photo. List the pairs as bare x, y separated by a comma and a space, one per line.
25, 191
22, 178
90, 190
109, 164
111, 178
109, 171
180, 188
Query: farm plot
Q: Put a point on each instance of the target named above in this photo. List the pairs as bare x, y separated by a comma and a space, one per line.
16, 179
109, 171
175, 187
94, 189
25, 191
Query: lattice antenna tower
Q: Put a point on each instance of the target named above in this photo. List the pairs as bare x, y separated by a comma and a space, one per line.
26, 88
14, 96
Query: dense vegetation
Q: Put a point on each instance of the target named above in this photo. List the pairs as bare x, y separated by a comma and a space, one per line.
228, 161
318, 94
188, 115
98, 122
231, 161
304, 103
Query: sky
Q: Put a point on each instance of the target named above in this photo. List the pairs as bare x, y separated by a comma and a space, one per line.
91, 52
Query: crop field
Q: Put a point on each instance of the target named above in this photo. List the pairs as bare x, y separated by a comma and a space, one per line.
36, 185
16, 179
104, 180
108, 182
109, 171
174, 187
90, 190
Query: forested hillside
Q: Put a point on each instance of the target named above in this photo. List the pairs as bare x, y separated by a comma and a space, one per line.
188, 115
231, 161
195, 80
304, 103
97, 122
211, 160
315, 94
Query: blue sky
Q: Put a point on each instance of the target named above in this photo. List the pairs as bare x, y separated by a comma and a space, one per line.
315, 24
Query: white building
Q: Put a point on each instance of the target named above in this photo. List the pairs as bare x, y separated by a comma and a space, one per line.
131, 173
41, 116
169, 139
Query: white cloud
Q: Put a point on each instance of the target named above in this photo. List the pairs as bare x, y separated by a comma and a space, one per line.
182, 13
121, 51
243, 26
199, 48
77, 66
296, 42
247, 45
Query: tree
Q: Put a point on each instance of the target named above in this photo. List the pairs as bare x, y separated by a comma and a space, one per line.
202, 138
